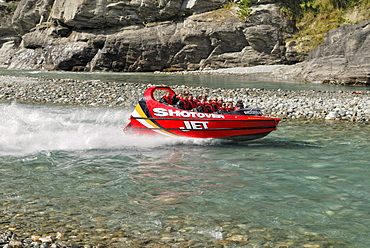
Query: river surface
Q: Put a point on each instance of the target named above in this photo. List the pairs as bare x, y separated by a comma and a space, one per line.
211, 81
71, 169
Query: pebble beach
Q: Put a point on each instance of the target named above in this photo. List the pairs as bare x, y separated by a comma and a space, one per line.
286, 104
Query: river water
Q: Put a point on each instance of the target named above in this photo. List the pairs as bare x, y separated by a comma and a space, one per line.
71, 169
211, 81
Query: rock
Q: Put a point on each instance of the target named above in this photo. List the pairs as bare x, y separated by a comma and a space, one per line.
60, 235
262, 38
103, 14
47, 239
6, 28
36, 238
332, 116
238, 238
343, 58
29, 13
15, 244
40, 51
292, 54
9, 39
6, 52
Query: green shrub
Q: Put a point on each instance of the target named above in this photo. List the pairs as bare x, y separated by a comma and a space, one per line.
314, 18
245, 11
11, 7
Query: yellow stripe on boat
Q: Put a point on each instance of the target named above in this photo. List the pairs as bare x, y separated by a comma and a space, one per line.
139, 113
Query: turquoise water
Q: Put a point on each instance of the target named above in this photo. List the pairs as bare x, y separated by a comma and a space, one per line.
72, 168
211, 81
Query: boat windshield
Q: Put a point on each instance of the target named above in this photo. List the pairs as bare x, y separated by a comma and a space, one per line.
247, 111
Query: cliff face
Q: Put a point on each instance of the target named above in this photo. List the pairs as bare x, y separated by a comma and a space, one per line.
343, 58
145, 35
9, 38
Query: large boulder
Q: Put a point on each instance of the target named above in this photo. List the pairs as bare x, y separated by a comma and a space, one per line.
257, 42
343, 58
43, 52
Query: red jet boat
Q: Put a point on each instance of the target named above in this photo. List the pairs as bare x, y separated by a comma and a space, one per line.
152, 117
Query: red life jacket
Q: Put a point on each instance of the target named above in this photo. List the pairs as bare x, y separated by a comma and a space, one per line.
193, 104
182, 104
175, 99
215, 106
167, 99
213, 109
228, 109
222, 110
202, 108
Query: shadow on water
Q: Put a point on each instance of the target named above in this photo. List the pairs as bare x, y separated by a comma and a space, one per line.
281, 144
276, 143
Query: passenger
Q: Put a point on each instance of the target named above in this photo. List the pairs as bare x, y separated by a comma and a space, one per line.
196, 99
166, 99
222, 106
204, 101
214, 104
176, 97
203, 107
204, 96
210, 107
229, 107
239, 105
220, 102
192, 101
184, 103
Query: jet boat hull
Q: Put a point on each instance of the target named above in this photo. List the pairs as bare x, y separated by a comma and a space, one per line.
153, 117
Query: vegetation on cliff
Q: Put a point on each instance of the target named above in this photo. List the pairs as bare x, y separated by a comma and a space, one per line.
10, 7
245, 10
314, 18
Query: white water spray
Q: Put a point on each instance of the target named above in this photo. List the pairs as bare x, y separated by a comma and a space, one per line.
28, 129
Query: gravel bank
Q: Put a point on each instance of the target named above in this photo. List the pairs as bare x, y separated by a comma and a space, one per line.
266, 70
286, 104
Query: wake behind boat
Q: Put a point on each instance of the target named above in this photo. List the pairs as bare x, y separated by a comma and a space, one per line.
153, 117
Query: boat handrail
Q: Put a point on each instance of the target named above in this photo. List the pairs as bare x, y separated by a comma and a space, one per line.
149, 93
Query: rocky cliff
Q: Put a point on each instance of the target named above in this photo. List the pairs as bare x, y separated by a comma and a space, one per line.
145, 35
343, 58
9, 38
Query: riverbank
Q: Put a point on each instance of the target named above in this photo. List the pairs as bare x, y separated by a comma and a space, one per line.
265, 70
286, 104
